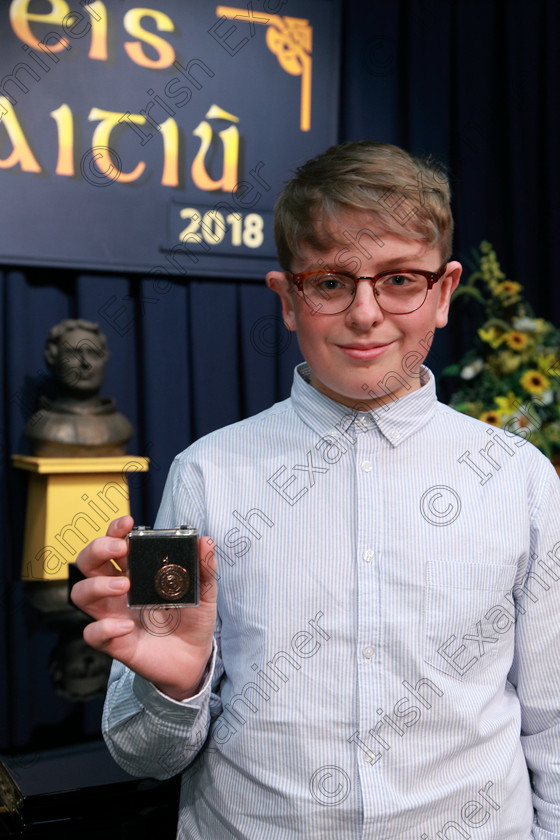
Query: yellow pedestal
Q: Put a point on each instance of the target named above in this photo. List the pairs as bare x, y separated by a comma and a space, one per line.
71, 501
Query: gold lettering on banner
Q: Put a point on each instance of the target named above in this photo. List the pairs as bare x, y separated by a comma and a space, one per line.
21, 152
20, 17
170, 134
98, 17
64, 120
291, 41
132, 22
101, 141
230, 140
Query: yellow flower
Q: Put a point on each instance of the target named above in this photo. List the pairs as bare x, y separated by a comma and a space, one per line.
492, 336
546, 363
492, 417
506, 404
508, 288
516, 340
507, 362
534, 382
542, 326
490, 270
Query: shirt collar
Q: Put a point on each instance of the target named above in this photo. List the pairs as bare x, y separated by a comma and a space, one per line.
396, 420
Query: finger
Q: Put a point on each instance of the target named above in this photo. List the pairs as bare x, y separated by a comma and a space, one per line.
120, 527
208, 569
100, 634
100, 596
96, 558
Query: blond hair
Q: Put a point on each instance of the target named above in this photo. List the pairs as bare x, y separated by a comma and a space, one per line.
404, 195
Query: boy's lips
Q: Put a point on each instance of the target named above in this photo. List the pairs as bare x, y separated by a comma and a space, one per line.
365, 351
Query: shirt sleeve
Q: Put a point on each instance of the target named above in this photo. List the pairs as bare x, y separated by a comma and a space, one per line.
536, 666
146, 732
150, 734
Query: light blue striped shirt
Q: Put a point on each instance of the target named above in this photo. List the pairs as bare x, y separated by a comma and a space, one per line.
387, 654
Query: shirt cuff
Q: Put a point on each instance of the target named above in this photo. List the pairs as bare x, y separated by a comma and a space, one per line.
159, 704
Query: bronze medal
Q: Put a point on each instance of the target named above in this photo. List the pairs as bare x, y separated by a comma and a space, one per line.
171, 581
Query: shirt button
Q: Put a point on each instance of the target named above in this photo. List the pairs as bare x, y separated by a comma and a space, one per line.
368, 555
366, 466
368, 652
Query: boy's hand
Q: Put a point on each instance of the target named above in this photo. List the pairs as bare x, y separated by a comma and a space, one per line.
174, 661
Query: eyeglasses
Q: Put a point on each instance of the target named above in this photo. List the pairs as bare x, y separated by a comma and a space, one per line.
397, 292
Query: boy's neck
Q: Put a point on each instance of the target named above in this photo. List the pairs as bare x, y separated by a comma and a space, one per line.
370, 400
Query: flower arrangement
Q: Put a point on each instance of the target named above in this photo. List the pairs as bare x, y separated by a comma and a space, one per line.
511, 376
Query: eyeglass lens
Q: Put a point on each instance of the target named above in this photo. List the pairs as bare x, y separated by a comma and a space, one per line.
396, 293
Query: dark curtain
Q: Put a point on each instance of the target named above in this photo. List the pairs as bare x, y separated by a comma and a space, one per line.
186, 358
473, 83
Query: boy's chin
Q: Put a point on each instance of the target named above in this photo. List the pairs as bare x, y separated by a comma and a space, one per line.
364, 396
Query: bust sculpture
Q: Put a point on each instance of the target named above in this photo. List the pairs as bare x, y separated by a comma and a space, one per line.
77, 422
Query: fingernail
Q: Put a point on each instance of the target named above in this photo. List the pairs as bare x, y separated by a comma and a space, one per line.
117, 584
115, 545
125, 624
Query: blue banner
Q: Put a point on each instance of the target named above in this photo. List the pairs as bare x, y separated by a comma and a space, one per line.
156, 140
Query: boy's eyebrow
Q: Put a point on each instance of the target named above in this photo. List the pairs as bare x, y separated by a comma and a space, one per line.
402, 261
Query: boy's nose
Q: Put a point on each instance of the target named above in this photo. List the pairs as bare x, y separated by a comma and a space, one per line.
365, 309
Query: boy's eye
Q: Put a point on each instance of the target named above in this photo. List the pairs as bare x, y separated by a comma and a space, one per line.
398, 280
330, 282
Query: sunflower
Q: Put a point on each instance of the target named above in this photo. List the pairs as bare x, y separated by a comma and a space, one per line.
492, 417
534, 382
516, 340
510, 377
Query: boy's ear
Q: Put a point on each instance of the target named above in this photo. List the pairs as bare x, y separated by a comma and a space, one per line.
448, 284
279, 283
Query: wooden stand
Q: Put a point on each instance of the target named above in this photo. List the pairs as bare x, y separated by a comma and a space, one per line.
70, 502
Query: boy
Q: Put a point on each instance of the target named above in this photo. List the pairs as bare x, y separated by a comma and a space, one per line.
387, 569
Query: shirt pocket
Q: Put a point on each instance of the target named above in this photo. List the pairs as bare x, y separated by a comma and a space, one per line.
469, 620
